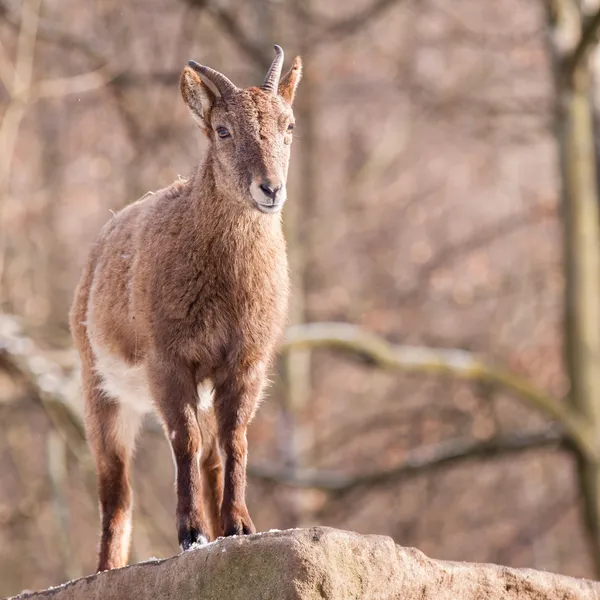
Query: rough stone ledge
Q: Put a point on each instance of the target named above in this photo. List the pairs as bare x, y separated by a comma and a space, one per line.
317, 563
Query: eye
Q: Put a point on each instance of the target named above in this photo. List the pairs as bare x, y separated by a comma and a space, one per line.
290, 127
223, 132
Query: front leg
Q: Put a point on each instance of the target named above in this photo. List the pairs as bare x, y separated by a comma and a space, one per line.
174, 391
236, 400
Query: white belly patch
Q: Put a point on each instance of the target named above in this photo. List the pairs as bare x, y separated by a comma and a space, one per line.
129, 384
126, 383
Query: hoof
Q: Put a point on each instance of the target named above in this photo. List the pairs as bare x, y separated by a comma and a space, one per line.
192, 539
239, 526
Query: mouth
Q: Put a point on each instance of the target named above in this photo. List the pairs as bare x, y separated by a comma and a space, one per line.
268, 209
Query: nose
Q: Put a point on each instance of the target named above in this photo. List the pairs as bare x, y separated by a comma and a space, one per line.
270, 190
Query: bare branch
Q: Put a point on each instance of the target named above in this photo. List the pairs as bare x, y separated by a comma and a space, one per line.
564, 29
48, 32
455, 363
589, 37
419, 461
77, 84
43, 380
323, 32
230, 24
448, 253
349, 25
26, 48
7, 71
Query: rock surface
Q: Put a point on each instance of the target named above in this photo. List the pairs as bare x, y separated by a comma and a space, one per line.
317, 563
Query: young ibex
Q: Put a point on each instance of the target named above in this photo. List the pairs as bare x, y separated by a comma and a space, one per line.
180, 307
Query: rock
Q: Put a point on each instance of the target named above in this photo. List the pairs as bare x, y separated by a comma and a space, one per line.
316, 564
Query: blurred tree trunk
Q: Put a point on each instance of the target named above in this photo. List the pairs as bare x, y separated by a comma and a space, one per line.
572, 37
297, 224
17, 80
582, 279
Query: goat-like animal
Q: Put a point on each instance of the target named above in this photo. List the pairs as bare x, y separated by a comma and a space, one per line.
181, 305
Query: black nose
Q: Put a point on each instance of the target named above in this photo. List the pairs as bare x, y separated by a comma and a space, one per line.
270, 190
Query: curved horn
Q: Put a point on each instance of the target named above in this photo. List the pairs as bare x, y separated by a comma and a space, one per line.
224, 86
274, 73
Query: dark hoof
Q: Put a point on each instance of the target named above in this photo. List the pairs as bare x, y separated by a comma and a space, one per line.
192, 537
239, 527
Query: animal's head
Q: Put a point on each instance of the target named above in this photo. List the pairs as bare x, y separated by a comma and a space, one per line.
250, 130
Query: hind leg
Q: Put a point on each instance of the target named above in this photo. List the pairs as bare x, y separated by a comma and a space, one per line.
111, 431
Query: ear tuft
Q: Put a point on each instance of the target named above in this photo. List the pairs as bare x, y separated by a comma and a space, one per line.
289, 82
198, 97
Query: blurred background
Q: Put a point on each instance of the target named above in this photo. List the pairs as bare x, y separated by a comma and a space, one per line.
440, 382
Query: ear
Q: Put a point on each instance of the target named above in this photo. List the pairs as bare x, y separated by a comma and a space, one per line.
197, 95
289, 82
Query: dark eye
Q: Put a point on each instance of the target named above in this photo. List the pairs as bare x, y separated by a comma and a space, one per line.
290, 127
223, 132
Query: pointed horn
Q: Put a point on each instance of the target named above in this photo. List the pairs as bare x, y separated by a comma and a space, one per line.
274, 73
224, 86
